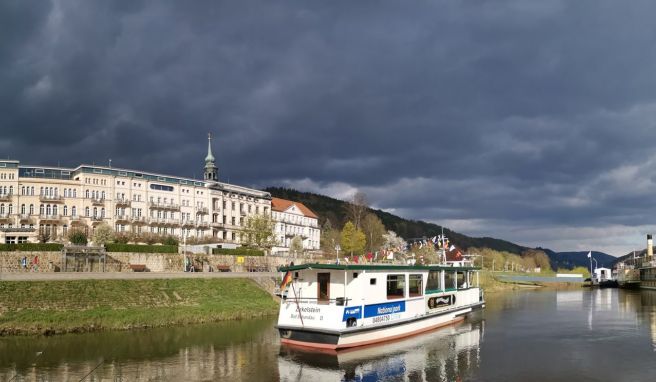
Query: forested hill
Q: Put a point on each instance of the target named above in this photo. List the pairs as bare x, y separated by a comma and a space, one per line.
328, 208
575, 259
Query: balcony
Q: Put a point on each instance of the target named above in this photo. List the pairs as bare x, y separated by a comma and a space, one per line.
202, 210
25, 218
138, 219
51, 198
5, 217
187, 223
166, 222
97, 201
242, 213
123, 202
5, 197
217, 225
97, 219
202, 225
164, 206
54, 218
121, 218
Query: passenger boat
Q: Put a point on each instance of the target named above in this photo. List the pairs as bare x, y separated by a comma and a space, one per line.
340, 306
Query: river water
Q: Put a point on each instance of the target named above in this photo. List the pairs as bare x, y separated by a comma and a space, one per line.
575, 335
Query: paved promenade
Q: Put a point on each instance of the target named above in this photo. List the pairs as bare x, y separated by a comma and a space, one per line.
28, 276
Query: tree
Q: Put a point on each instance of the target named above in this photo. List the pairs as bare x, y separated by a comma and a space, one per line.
258, 232
77, 237
393, 242
103, 234
296, 246
330, 237
44, 235
373, 230
425, 254
169, 240
352, 239
356, 208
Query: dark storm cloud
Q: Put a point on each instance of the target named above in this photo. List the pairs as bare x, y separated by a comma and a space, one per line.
517, 119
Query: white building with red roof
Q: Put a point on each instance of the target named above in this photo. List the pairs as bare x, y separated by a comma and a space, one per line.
294, 219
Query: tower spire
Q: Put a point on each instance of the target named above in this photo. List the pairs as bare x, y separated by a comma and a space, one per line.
211, 171
209, 157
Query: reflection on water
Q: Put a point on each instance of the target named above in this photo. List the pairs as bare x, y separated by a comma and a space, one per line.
448, 354
205, 352
582, 335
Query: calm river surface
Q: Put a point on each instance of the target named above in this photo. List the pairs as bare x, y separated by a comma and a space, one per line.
579, 335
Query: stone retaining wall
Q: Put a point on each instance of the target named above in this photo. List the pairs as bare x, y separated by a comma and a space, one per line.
154, 262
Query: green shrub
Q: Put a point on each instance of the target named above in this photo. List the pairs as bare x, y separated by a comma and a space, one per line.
41, 247
169, 240
238, 252
77, 237
122, 238
141, 248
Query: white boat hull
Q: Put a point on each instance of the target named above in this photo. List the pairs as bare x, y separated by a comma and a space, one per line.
362, 336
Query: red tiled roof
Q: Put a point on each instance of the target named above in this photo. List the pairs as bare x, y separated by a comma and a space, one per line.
281, 205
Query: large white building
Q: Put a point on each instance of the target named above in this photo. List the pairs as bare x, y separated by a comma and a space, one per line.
294, 219
56, 200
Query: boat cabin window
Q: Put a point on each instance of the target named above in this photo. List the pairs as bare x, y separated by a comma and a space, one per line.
372, 281
462, 280
395, 286
415, 285
433, 283
355, 275
449, 280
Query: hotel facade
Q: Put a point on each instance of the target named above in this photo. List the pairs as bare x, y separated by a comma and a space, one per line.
294, 219
56, 200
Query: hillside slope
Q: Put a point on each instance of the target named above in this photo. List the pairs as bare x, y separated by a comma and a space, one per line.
328, 208
334, 210
570, 260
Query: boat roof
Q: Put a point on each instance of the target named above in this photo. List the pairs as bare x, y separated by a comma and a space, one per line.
375, 267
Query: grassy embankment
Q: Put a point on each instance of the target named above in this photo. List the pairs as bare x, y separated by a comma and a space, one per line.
491, 283
40, 307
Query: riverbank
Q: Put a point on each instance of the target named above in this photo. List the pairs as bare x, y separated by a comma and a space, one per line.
55, 307
490, 282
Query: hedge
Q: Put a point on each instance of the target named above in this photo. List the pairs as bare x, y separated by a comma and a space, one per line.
115, 247
237, 252
40, 247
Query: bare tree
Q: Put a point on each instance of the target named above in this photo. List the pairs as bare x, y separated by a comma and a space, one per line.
356, 208
374, 230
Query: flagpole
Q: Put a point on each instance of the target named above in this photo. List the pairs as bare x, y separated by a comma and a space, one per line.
298, 307
591, 275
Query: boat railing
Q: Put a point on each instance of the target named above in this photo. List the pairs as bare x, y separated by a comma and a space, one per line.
339, 301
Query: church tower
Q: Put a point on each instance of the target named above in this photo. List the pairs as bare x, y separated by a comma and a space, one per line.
211, 171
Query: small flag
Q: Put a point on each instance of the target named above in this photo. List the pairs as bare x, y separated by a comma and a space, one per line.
451, 248
589, 254
286, 280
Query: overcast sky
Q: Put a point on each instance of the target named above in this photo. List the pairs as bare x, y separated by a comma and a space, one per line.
531, 121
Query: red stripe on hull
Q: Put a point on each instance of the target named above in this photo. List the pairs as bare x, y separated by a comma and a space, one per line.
320, 346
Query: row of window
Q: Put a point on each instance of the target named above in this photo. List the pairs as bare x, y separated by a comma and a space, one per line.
100, 182
5, 175
396, 283
295, 219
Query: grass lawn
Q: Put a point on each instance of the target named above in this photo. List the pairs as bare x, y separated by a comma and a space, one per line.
49, 307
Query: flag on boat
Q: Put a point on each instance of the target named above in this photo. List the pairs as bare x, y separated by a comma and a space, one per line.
286, 280
452, 247
589, 254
